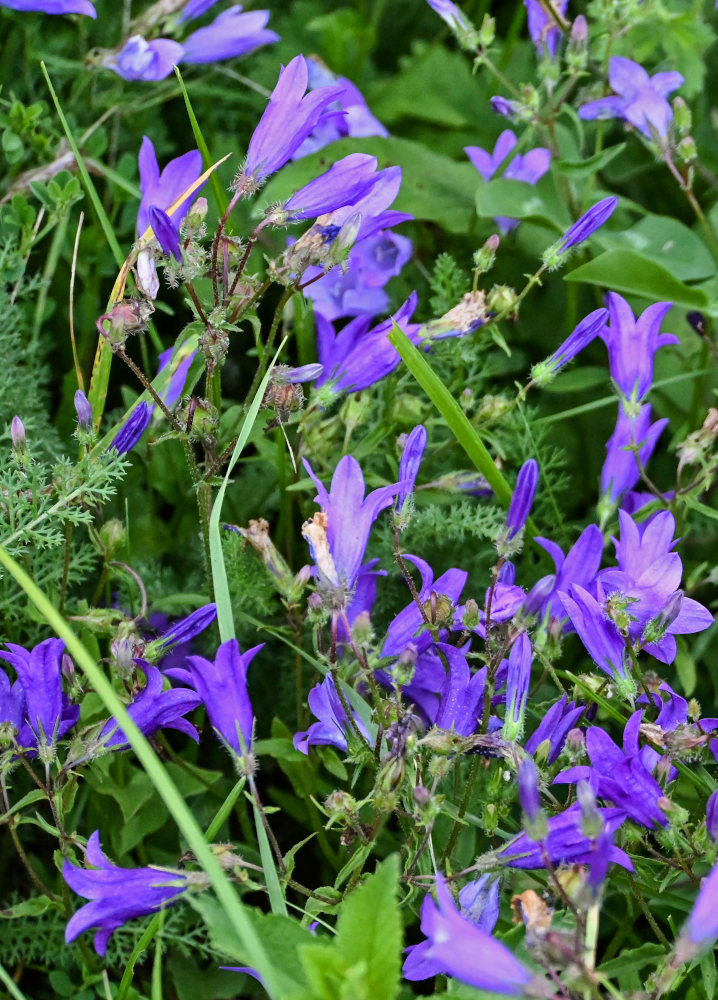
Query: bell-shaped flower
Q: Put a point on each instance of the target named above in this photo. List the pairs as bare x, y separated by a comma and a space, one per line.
544, 31
632, 344
620, 471
161, 188
701, 928
344, 183
222, 685
52, 6
640, 99
554, 727
117, 894
528, 168
139, 59
152, 709
579, 565
458, 947
461, 698
437, 597
601, 638
338, 536
361, 355
35, 704
517, 686
289, 117
409, 463
333, 727
230, 35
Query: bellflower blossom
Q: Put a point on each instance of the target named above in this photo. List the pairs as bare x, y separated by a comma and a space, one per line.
601, 638
461, 698
641, 99
579, 565
333, 727
409, 463
544, 31
586, 331
344, 183
581, 230
554, 727
632, 344
230, 35
522, 498
701, 928
289, 118
222, 685
139, 59
460, 948
132, 430
339, 534
438, 598
620, 471
355, 119
479, 903
152, 709
52, 6
528, 168
35, 704
360, 355
648, 578
517, 686
117, 894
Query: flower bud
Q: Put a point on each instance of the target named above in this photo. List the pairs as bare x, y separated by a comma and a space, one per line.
83, 411
502, 299
17, 435
687, 149
128, 317
194, 221
682, 117
485, 257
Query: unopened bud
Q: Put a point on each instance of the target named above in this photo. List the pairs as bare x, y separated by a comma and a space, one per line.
487, 32
485, 258
17, 435
471, 617
579, 32
687, 149
682, 117
502, 299
362, 630
128, 317
67, 667
196, 216
404, 667
422, 796
112, 535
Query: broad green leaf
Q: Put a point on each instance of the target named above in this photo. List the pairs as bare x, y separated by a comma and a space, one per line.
591, 165
519, 200
667, 242
633, 960
369, 929
633, 274
29, 908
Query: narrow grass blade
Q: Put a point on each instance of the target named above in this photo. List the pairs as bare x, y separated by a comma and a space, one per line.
224, 810
456, 420
220, 194
230, 902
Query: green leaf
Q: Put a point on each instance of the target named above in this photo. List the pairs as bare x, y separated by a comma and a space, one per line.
369, 930
29, 908
518, 200
667, 242
633, 960
632, 273
590, 166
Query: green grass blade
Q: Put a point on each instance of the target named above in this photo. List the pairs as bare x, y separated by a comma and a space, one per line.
456, 420
224, 810
10, 985
230, 902
225, 618
220, 194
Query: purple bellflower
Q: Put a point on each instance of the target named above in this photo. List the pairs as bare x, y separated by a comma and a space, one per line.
35, 704
701, 928
529, 168
339, 534
52, 6
529, 789
580, 231
522, 498
132, 429
355, 119
333, 728
712, 816
189, 627
648, 578
601, 638
436, 596
565, 843
620, 471
222, 685
166, 233
409, 464
544, 31
153, 709
360, 355
517, 686
83, 410
139, 59
579, 565
461, 698
619, 777
554, 727
177, 381
479, 903
230, 35
344, 183
640, 99
460, 948
632, 344
586, 331
117, 894
289, 118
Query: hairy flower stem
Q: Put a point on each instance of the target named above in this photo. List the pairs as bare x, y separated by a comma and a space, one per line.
408, 579
203, 493
34, 877
218, 237
265, 823
262, 367
468, 792
146, 384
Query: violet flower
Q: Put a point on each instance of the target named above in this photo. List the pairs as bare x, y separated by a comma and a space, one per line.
355, 119
579, 565
438, 598
586, 331
641, 99
83, 410
601, 638
517, 686
35, 704
529, 789
712, 816
132, 429
288, 119
461, 949
333, 728
189, 627
522, 497
161, 189
565, 843
139, 59
554, 727
338, 536
152, 709
620, 471
528, 168
222, 685
166, 233
409, 464
587, 225
544, 31
52, 6
117, 894
701, 928
632, 344
230, 35
344, 183
360, 355
461, 698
